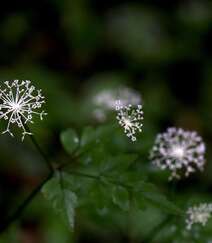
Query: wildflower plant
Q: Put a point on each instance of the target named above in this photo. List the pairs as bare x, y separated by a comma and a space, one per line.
130, 119
19, 102
100, 175
198, 215
179, 151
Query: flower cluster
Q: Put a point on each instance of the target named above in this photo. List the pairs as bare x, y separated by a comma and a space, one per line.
198, 214
179, 151
130, 119
18, 102
106, 100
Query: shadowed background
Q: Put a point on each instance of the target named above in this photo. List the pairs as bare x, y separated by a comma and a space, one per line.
71, 48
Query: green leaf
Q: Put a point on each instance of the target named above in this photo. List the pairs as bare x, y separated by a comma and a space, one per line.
79, 185
101, 197
69, 140
87, 136
92, 137
120, 197
139, 188
89, 140
117, 164
134, 178
145, 192
162, 202
63, 200
143, 186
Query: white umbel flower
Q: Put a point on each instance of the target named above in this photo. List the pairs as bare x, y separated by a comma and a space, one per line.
106, 99
18, 102
130, 118
198, 214
180, 151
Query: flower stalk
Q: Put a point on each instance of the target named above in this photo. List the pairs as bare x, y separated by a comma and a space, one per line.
39, 149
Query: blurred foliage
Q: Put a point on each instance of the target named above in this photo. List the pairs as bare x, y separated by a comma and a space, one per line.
72, 50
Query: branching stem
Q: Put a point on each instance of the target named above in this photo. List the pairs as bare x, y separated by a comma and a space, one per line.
20, 209
95, 177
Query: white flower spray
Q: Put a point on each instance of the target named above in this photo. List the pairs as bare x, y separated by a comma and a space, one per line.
179, 151
18, 102
130, 119
198, 214
105, 100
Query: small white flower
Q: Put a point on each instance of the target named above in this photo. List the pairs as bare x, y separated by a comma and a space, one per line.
178, 151
18, 102
105, 100
130, 119
198, 214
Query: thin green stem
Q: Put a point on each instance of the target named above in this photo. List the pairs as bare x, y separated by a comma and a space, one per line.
156, 230
62, 185
95, 177
21, 208
77, 173
45, 157
64, 164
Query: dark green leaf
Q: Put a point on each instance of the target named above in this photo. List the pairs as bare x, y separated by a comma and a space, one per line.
117, 164
87, 136
133, 178
145, 192
79, 185
101, 197
162, 202
69, 140
142, 186
120, 197
92, 137
63, 200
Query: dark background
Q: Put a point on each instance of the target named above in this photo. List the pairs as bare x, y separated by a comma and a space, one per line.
162, 49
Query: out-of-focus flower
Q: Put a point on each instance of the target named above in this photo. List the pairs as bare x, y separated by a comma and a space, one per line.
105, 100
18, 102
130, 118
180, 151
198, 214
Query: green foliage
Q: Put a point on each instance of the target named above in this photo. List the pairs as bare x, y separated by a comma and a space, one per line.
63, 199
120, 197
92, 137
162, 202
101, 180
69, 140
